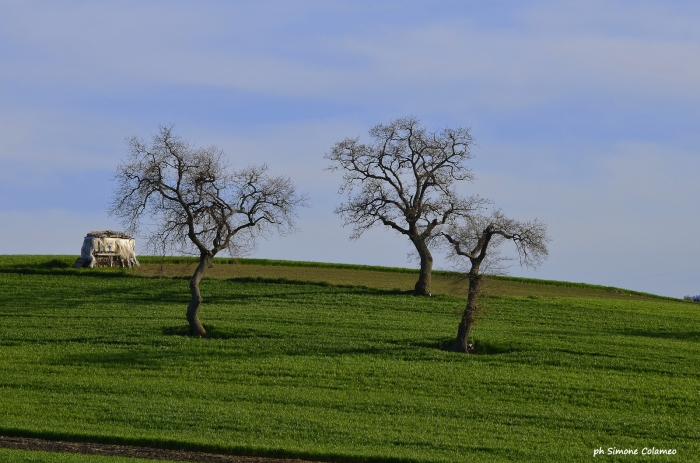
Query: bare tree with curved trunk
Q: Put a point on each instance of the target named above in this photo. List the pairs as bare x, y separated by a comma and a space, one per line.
478, 238
196, 203
405, 180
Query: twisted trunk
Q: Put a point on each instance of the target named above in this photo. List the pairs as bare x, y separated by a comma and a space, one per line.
423, 285
461, 342
196, 328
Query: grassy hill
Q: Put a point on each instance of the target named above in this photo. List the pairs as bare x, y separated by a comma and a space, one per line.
334, 362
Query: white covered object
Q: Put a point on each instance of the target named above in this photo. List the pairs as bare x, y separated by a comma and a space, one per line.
107, 249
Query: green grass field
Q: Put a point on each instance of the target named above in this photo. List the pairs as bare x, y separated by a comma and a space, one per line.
343, 372
28, 456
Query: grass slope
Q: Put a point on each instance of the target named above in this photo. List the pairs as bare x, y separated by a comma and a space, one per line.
350, 373
393, 278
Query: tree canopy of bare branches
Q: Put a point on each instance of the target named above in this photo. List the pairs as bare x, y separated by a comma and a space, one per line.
405, 180
194, 203
478, 238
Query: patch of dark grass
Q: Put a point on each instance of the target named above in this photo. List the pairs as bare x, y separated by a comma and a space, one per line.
322, 284
568, 284
61, 270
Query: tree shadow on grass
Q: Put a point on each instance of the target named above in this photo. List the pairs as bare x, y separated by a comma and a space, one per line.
479, 347
54, 263
134, 358
50, 264
683, 336
491, 348
217, 333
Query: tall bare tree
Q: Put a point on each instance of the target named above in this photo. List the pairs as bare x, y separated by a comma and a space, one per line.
196, 203
478, 238
405, 180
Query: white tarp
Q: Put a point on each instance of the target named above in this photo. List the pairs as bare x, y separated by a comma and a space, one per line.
117, 246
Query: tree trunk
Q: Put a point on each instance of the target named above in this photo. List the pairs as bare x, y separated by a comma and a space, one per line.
196, 328
423, 285
461, 343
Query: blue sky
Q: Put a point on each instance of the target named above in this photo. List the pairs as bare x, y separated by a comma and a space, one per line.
587, 115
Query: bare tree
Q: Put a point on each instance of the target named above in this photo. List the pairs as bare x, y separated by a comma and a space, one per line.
197, 204
478, 238
405, 180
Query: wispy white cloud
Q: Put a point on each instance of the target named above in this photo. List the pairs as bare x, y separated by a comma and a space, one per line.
105, 46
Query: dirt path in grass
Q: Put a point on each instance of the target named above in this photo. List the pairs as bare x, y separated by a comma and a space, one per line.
25, 443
